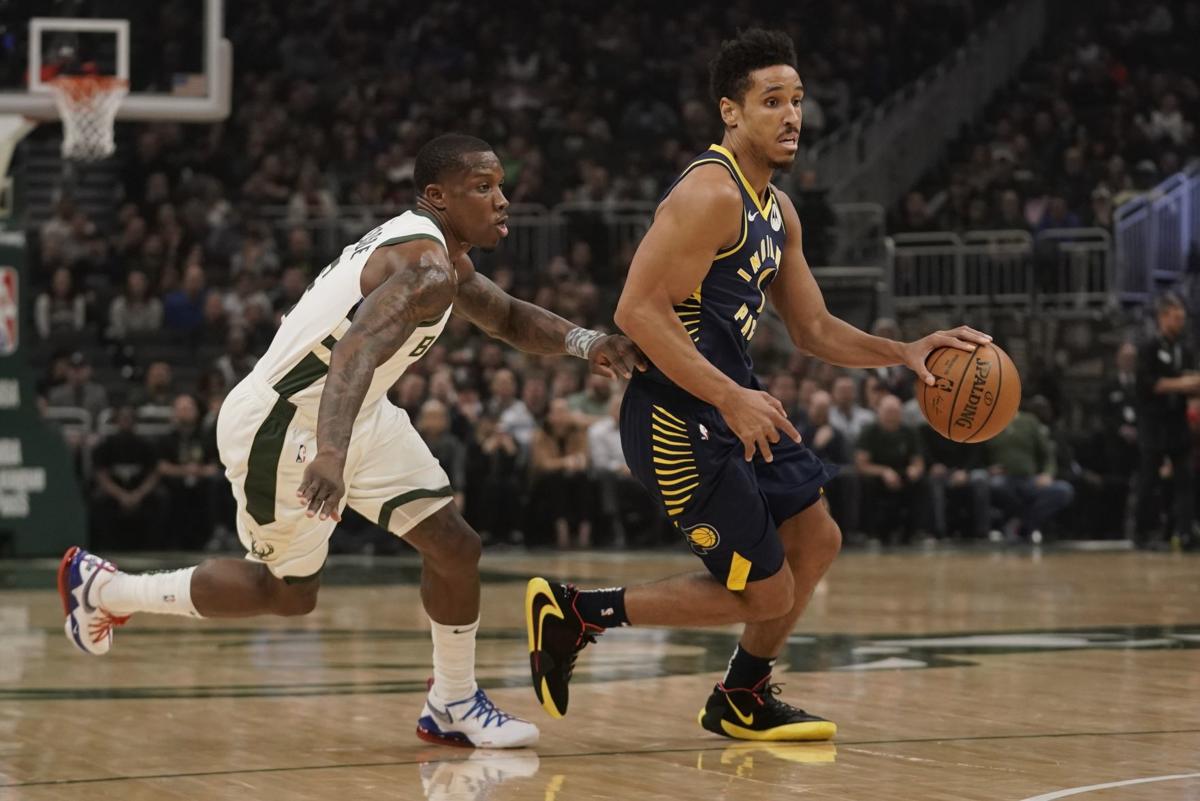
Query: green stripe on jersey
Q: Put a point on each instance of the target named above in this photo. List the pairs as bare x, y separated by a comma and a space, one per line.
262, 465
385, 512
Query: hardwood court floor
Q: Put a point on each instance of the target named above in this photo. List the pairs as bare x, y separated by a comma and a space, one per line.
951, 675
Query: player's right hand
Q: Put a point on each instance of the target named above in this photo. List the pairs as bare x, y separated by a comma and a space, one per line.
756, 418
322, 487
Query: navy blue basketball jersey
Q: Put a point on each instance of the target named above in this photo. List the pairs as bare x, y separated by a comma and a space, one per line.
721, 315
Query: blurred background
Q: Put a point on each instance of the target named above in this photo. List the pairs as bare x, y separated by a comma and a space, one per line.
1028, 168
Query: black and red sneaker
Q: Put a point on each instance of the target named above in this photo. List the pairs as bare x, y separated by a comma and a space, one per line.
557, 633
757, 714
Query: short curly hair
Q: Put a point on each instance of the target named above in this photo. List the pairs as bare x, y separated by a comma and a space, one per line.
443, 154
753, 49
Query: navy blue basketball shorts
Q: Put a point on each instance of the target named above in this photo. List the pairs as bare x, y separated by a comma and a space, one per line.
728, 509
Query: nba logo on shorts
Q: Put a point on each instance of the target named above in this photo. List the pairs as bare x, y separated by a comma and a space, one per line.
10, 323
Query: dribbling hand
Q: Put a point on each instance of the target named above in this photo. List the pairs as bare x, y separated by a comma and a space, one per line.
963, 338
756, 418
322, 487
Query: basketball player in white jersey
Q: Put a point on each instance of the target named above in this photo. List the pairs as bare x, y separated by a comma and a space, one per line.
310, 431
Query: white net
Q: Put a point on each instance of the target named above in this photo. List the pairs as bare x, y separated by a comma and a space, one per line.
88, 106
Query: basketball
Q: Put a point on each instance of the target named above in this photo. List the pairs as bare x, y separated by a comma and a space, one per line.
976, 393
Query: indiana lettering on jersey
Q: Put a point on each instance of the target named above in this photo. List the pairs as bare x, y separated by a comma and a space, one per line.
764, 263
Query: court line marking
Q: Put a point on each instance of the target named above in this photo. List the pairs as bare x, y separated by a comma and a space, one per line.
586, 754
1081, 790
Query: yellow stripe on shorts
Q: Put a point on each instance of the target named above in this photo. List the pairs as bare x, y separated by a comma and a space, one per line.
739, 572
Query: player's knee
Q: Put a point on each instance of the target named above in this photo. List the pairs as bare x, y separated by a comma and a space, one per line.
817, 545
291, 600
454, 544
770, 598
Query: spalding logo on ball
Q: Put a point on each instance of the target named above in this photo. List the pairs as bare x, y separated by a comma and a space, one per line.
975, 394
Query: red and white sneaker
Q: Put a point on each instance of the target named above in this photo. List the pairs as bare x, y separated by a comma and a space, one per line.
80, 575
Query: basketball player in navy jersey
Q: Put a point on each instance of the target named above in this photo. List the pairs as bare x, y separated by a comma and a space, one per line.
698, 431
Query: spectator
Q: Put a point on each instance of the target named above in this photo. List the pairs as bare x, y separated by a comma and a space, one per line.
1165, 377
134, 312
889, 459
623, 504
897, 379
512, 417
783, 387
79, 390
410, 392
60, 311
558, 459
591, 403
433, 424
157, 390
1021, 461
820, 221
183, 309
830, 446
846, 415
189, 466
125, 512
237, 362
1119, 419
958, 483
494, 489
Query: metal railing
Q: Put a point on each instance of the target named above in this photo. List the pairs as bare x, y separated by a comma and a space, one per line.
1057, 270
1156, 235
538, 234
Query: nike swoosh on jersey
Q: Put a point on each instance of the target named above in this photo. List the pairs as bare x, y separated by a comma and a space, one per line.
752, 216
747, 719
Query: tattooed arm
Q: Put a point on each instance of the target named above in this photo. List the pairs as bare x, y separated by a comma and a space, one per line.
419, 286
532, 329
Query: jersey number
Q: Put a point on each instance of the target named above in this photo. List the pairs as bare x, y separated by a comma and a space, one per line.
420, 349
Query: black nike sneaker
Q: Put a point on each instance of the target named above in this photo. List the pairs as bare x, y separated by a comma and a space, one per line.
557, 634
756, 714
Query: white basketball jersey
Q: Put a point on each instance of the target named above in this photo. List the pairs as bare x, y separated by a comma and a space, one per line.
296, 363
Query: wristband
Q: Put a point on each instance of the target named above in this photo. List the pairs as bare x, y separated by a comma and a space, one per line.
579, 341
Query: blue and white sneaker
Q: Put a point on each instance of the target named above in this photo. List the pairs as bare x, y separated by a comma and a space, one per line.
88, 627
473, 722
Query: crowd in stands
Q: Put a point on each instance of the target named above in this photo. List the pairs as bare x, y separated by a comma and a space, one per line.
146, 325
1107, 109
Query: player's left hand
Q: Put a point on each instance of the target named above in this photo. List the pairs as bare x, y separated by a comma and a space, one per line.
322, 487
616, 356
963, 338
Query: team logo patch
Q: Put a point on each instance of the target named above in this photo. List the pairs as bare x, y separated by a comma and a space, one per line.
702, 538
262, 550
776, 218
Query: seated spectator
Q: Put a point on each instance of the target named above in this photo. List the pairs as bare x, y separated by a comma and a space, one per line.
623, 503
60, 312
783, 387
892, 467
189, 466
897, 379
183, 309
591, 403
134, 312
846, 415
1021, 462
558, 462
494, 488
79, 390
237, 362
157, 389
409, 393
125, 510
830, 447
959, 487
433, 424
512, 416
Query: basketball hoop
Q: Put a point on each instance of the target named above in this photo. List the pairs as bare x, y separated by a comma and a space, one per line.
88, 106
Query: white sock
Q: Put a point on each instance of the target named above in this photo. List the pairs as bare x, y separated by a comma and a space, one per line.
454, 661
167, 593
